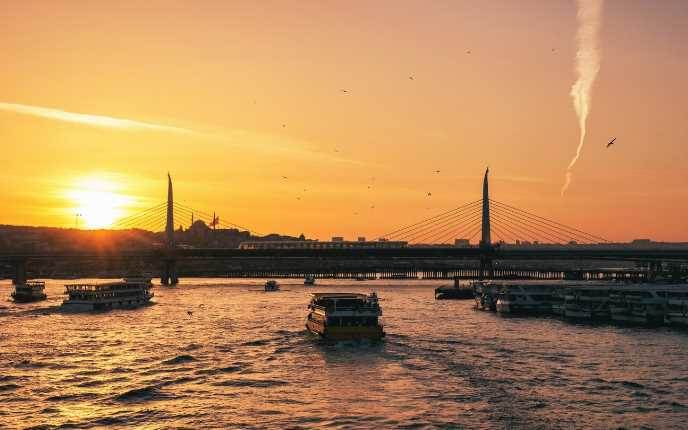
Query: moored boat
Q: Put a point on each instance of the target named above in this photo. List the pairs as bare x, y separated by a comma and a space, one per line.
125, 294
586, 302
638, 304
533, 298
309, 280
345, 316
677, 307
30, 291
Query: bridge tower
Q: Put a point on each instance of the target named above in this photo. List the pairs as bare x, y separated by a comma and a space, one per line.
486, 239
169, 269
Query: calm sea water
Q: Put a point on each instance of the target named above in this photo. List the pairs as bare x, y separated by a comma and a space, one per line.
244, 360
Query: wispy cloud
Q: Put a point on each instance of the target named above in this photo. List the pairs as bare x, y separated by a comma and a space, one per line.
91, 120
248, 140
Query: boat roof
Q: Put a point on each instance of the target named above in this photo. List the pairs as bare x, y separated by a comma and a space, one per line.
339, 296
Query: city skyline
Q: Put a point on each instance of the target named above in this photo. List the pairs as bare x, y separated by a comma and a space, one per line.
376, 116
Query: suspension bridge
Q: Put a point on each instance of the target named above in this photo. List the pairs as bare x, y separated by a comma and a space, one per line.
522, 238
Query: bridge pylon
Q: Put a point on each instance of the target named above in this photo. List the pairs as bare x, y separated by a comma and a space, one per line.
485, 238
169, 265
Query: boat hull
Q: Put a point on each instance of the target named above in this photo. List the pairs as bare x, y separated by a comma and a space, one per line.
84, 306
452, 293
345, 333
28, 298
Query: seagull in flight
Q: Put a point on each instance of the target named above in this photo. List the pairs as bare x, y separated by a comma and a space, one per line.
611, 142
437, 171
344, 91
429, 194
411, 77
284, 177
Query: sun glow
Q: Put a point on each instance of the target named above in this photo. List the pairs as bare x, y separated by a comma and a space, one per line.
97, 204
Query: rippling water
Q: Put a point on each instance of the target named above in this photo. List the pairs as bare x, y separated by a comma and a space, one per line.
244, 359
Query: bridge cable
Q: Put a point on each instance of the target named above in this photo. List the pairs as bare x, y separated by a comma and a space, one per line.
441, 228
550, 234
468, 219
428, 219
560, 225
427, 225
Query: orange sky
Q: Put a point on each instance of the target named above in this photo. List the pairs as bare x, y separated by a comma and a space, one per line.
228, 75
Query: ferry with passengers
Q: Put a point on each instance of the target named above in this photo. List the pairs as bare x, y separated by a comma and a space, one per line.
345, 316
125, 294
29, 291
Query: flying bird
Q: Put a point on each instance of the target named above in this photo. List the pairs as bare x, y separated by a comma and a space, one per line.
189, 313
411, 77
611, 142
468, 52
284, 177
344, 91
437, 171
429, 194
284, 125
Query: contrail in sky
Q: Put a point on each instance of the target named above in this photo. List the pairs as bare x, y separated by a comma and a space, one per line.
587, 66
92, 120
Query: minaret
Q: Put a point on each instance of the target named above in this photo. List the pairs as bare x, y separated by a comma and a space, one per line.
169, 226
486, 240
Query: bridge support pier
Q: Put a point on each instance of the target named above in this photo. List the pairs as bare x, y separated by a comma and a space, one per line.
169, 273
19, 277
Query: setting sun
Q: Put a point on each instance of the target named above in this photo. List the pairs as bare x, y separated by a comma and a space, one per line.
96, 203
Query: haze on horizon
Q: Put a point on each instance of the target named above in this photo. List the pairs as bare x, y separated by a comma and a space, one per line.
232, 97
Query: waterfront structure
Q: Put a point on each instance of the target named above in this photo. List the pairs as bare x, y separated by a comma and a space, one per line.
345, 316
129, 293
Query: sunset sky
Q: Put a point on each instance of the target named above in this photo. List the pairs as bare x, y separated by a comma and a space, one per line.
229, 97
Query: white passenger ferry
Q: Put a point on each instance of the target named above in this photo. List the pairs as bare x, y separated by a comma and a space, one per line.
526, 297
640, 303
677, 307
587, 302
345, 316
29, 291
129, 293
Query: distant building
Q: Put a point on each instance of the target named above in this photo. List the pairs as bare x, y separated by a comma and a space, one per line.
314, 244
462, 243
337, 239
361, 238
